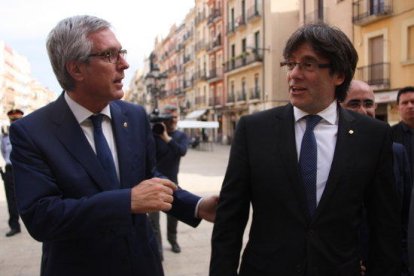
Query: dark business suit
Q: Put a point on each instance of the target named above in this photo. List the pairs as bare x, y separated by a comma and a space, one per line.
66, 202
284, 239
410, 236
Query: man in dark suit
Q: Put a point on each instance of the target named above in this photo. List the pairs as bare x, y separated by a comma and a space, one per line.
410, 235
84, 164
360, 98
306, 213
403, 133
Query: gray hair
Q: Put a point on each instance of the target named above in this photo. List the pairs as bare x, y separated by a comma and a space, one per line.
68, 41
169, 109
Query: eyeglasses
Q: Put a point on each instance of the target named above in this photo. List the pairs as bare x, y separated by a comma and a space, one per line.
111, 56
358, 103
308, 66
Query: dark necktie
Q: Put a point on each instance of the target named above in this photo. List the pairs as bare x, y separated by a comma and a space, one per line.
308, 161
103, 152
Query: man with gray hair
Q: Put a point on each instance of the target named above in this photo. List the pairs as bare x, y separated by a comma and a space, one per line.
84, 164
170, 145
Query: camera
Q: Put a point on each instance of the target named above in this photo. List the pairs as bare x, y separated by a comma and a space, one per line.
156, 119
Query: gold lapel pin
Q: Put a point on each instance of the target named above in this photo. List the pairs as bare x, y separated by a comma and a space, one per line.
351, 131
125, 124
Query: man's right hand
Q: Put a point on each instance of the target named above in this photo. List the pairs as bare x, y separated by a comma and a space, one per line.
155, 194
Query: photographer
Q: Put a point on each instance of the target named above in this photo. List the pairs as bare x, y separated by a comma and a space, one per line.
171, 145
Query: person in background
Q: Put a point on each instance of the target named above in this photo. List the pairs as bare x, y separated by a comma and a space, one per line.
170, 146
308, 169
403, 133
7, 175
84, 164
360, 98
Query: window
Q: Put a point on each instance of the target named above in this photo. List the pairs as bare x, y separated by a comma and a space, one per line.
407, 41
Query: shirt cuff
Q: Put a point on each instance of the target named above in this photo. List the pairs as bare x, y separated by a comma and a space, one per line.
196, 208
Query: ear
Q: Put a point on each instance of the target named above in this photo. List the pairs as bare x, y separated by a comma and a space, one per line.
339, 79
74, 69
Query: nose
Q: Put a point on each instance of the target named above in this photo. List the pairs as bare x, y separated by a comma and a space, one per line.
362, 109
122, 63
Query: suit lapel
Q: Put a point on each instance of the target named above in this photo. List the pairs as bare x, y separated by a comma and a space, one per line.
69, 132
120, 126
287, 148
341, 156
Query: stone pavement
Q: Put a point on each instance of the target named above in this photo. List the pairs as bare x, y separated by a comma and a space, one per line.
201, 173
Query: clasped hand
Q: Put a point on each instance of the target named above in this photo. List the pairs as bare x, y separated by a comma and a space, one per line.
155, 194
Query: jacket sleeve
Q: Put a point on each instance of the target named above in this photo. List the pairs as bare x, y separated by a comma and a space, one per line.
48, 213
383, 216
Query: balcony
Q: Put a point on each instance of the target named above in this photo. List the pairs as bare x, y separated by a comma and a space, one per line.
368, 11
254, 93
230, 97
215, 14
253, 13
215, 74
214, 101
201, 75
215, 44
377, 75
241, 96
242, 60
231, 28
200, 100
240, 22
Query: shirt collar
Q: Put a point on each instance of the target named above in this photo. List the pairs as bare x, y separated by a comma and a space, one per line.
81, 113
329, 114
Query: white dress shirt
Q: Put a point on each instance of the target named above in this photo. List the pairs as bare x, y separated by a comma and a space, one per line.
326, 132
82, 116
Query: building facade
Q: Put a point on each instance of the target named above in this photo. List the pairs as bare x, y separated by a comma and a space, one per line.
228, 54
18, 89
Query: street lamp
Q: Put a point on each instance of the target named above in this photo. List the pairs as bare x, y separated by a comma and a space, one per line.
155, 82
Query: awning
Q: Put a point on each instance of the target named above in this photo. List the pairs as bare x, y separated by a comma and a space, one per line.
197, 124
194, 115
386, 97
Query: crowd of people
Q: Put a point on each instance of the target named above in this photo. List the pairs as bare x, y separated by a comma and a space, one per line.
329, 186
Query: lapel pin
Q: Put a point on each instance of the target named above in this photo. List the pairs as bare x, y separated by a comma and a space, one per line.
351, 131
125, 124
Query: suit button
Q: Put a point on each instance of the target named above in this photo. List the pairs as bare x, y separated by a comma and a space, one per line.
311, 233
299, 268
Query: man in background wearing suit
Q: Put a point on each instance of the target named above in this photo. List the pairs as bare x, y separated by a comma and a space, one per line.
360, 98
84, 164
309, 177
403, 133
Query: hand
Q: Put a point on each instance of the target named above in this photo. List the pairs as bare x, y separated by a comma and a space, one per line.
363, 268
155, 194
207, 208
164, 136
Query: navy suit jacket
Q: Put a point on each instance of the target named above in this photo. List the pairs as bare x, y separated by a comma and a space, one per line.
283, 239
66, 202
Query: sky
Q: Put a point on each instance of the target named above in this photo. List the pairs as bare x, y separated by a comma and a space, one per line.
25, 24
